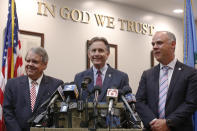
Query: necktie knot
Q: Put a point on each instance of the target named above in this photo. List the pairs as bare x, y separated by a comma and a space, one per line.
34, 83
99, 72
165, 68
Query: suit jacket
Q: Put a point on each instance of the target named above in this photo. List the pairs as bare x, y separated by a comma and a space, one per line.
17, 103
113, 78
181, 101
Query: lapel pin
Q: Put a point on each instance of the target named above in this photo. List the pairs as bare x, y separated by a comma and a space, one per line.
179, 68
109, 75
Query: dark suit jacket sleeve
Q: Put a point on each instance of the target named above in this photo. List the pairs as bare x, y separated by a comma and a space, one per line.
142, 108
189, 105
9, 115
125, 80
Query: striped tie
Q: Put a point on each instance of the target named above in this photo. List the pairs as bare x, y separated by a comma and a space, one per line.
33, 94
163, 89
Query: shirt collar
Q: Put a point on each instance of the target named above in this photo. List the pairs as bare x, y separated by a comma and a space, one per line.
38, 81
171, 64
103, 70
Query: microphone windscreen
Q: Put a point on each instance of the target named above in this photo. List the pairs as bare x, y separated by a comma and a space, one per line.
87, 79
126, 89
96, 88
71, 90
130, 98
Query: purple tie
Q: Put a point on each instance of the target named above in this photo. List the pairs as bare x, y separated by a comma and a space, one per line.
163, 90
99, 78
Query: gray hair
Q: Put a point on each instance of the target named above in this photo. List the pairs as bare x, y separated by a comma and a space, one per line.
170, 35
104, 40
41, 52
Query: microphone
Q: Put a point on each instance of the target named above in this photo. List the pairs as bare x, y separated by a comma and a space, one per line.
112, 96
126, 91
131, 100
36, 118
57, 94
96, 91
70, 90
80, 103
87, 80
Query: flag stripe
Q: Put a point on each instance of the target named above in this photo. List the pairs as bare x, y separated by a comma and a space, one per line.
11, 60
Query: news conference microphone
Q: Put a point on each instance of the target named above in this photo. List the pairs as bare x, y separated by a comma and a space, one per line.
122, 92
36, 118
131, 100
96, 91
80, 103
87, 80
112, 97
57, 94
70, 90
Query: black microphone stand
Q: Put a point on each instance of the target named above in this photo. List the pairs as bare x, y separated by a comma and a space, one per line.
95, 110
95, 115
69, 113
81, 106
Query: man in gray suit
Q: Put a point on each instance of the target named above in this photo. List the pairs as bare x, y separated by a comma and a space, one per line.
98, 52
24, 94
166, 96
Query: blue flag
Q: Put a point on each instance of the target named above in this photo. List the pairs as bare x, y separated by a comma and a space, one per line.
190, 42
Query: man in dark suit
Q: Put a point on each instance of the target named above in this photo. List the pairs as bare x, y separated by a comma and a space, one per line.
98, 53
166, 96
24, 94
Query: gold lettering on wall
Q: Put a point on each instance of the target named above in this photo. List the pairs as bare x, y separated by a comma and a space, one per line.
110, 22
76, 15
138, 27
121, 24
130, 26
39, 8
64, 13
101, 20
46, 7
85, 17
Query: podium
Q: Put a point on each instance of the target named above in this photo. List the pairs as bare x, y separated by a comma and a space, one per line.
77, 116
79, 129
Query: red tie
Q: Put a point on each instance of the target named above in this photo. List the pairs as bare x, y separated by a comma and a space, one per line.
33, 94
99, 78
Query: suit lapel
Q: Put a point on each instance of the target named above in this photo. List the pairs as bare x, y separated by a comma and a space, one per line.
41, 92
25, 87
91, 74
106, 83
175, 75
156, 86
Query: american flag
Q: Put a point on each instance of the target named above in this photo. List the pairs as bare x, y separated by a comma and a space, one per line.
12, 59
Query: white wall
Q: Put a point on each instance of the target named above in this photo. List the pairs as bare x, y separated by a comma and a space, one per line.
65, 40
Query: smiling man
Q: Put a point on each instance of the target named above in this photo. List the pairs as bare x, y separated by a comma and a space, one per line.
101, 73
24, 94
166, 96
